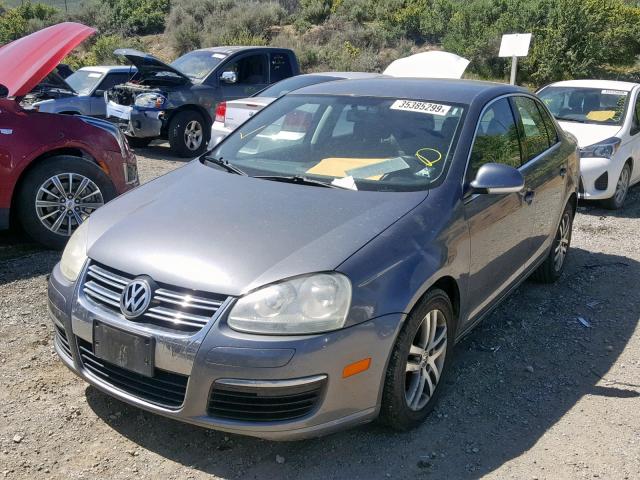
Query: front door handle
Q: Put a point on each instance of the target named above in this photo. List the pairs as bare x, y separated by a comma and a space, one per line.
563, 172
528, 196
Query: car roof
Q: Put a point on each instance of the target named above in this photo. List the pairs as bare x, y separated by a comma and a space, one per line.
109, 68
234, 49
444, 90
343, 75
609, 84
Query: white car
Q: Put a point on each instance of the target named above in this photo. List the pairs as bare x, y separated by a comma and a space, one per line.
230, 115
604, 116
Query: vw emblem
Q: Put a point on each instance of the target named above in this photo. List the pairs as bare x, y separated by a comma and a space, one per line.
136, 297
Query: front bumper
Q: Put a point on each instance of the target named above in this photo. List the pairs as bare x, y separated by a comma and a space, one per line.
137, 122
599, 177
217, 354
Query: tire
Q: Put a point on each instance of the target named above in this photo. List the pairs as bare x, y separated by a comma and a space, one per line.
188, 134
622, 188
37, 208
551, 269
136, 142
402, 410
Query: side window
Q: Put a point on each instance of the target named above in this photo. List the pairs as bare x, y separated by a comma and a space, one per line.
250, 70
496, 139
113, 79
636, 117
549, 124
280, 67
534, 134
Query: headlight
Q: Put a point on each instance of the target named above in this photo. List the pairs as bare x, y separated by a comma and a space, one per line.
604, 149
309, 304
75, 253
150, 100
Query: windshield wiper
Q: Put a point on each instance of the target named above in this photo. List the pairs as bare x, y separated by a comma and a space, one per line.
300, 180
219, 161
563, 119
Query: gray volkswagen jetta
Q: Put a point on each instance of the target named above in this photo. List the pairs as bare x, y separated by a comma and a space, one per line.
315, 269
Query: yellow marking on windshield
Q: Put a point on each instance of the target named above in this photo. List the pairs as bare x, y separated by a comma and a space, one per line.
421, 155
243, 135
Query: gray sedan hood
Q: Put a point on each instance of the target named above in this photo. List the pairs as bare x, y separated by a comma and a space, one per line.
205, 229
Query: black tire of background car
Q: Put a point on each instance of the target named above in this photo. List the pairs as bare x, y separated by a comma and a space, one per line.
136, 142
612, 203
176, 133
25, 200
395, 412
546, 272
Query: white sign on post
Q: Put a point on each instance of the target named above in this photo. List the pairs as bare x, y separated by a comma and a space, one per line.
514, 46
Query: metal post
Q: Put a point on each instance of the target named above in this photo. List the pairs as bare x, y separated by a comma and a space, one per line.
514, 68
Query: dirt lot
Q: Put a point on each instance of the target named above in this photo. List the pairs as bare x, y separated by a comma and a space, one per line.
534, 393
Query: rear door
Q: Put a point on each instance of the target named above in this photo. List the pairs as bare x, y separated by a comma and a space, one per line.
545, 170
279, 67
499, 225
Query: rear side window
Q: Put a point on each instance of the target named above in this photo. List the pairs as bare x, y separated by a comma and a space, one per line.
534, 132
280, 67
548, 122
496, 139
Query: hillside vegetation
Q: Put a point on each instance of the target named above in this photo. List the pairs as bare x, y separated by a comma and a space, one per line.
571, 38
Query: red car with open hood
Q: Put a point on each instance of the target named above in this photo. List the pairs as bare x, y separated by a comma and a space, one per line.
55, 170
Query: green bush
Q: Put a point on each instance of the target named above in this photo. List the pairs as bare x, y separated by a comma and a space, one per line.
26, 19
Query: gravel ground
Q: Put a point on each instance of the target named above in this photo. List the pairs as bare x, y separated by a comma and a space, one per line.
534, 393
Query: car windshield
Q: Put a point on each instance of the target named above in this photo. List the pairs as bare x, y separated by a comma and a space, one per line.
285, 86
197, 65
586, 105
84, 81
361, 143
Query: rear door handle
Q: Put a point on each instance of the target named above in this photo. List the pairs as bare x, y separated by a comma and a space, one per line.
563, 172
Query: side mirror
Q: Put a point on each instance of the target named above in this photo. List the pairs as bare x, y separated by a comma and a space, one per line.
229, 77
497, 179
98, 93
4, 91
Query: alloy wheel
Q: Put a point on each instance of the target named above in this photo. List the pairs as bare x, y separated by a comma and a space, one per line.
65, 200
622, 185
193, 135
425, 360
561, 245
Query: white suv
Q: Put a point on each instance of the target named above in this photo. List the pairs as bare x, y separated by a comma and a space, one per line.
604, 116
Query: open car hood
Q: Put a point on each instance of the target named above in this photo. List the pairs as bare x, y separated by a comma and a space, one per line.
428, 65
27, 61
147, 64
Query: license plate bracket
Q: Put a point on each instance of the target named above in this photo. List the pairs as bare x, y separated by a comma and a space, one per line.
131, 351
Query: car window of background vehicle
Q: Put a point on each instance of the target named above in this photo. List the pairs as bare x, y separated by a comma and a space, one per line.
496, 139
586, 105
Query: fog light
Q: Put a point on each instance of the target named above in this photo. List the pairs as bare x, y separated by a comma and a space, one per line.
602, 182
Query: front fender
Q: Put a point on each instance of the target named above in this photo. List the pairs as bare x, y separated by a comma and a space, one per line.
394, 270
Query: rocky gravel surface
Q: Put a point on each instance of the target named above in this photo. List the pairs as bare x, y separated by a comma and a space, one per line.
547, 387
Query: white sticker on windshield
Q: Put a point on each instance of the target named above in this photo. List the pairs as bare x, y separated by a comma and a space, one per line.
95, 75
218, 55
422, 107
614, 92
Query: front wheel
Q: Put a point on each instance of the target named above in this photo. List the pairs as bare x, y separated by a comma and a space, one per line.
622, 187
188, 134
57, 195
552, 267
418, 363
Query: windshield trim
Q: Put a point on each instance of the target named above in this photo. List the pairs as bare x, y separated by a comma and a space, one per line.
449, 159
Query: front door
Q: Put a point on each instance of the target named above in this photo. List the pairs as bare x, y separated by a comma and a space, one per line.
251, 74
499, 225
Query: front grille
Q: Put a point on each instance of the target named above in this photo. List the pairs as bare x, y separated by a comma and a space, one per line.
164, 389
62, 340
264, 403
173, 308
602, 181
